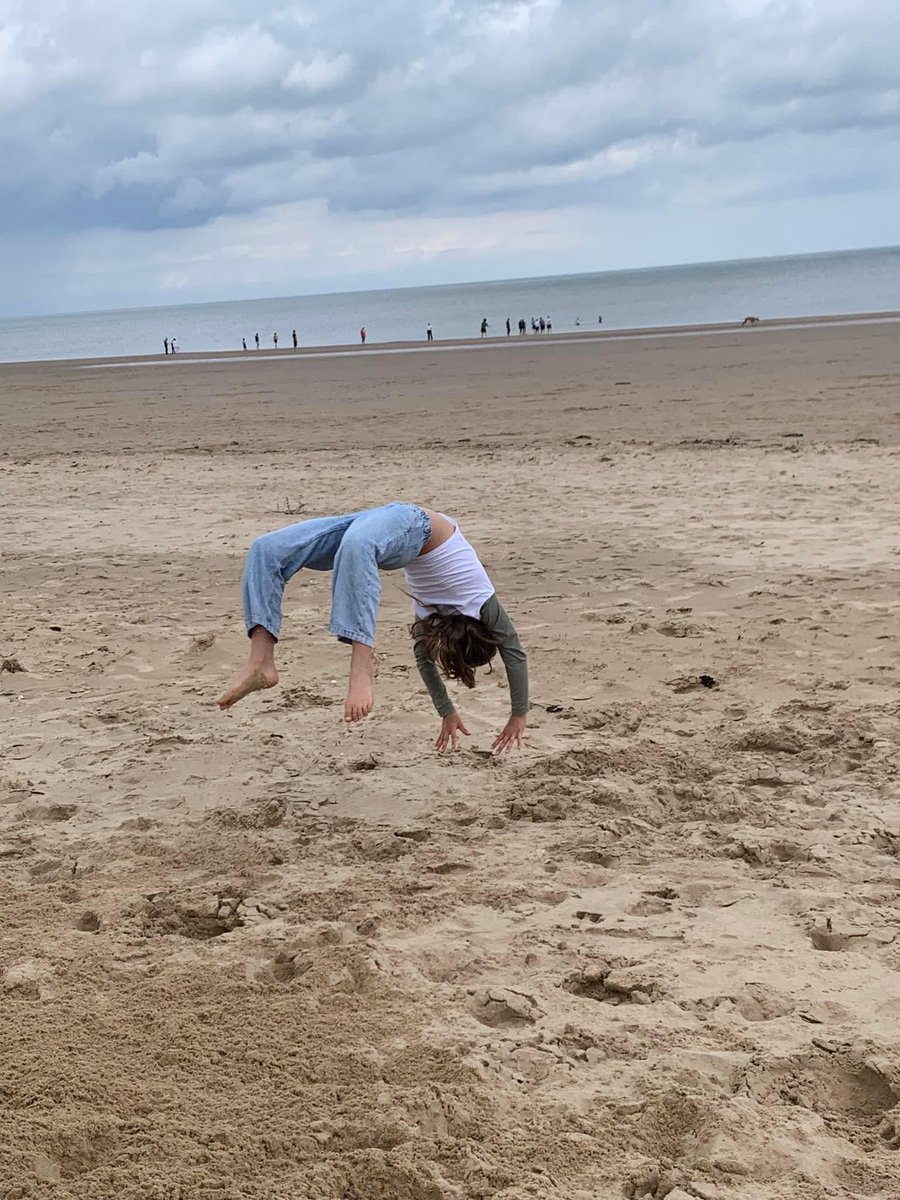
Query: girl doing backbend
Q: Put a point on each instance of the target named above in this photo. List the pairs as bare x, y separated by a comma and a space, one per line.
460, 624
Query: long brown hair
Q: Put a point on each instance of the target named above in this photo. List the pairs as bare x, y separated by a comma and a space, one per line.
457, 643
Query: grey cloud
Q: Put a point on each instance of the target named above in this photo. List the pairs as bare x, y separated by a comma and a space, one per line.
163, 117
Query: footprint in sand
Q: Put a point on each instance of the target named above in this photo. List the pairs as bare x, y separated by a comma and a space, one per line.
380, 847
830, 941
166, 916
889, 1129
754, 1002
502, 1008
649, 906
616, 981
835, 1083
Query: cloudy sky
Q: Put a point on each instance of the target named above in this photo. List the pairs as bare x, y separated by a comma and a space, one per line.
191, 150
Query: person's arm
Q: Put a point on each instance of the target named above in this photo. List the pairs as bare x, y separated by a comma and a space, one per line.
451, 723
431, 677
495, 618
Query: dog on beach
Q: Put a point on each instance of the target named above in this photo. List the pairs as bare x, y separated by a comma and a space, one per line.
749, 321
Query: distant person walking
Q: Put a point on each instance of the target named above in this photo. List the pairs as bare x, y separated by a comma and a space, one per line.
362, 334
256, 339
429, 333
523, 328
541, 325
599, 320
484, 327
166, 344
275, 340
172, 343
244, 343
294, 336
534, 325
508, 327
549, 325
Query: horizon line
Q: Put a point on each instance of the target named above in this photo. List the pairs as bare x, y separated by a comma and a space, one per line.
89, 312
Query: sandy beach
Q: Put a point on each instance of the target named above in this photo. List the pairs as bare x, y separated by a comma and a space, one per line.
265, 956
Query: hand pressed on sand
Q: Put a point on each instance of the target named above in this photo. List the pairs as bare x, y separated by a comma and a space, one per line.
451, 728
260, 671
510, 735
361, 688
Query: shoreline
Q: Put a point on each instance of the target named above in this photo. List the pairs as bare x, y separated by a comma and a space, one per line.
348, 349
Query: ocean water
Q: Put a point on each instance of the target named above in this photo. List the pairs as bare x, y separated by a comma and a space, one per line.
853, 281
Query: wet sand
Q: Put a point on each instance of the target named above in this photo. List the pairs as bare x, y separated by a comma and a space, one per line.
261, 955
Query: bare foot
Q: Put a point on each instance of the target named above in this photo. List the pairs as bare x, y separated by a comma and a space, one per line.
360, 696
251, 679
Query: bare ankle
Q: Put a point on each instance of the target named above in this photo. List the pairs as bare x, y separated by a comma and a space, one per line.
362, 660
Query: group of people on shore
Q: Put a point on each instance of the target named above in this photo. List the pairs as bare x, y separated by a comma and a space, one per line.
171, 346
294, 339
538, 325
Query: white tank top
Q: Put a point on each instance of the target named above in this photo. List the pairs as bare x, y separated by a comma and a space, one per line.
449, 578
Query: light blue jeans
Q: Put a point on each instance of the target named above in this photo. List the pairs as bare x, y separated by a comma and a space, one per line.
353, 547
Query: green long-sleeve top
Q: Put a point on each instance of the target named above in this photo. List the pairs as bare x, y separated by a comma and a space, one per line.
495, 618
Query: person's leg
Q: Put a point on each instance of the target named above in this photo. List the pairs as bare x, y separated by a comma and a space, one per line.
387, 538
272, 560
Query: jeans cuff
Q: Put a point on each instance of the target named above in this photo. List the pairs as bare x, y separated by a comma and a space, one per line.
351, 635
274, 629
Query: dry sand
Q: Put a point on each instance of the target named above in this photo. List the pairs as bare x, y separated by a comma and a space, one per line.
265, 956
